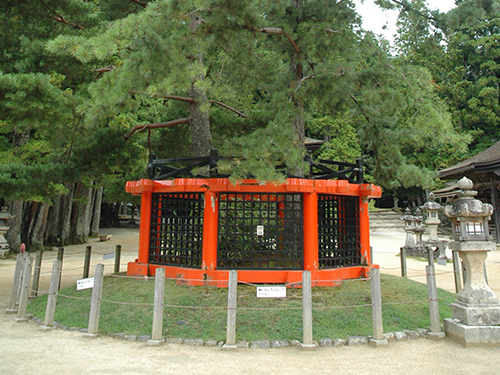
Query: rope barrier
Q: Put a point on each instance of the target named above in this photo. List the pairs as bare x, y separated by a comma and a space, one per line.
36, 291
341, 307
404, 302
72, 297
197, 307
127, 303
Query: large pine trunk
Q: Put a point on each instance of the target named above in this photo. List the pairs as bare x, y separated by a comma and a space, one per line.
199, 121
14, 234
66, 214
96, 212
38, 226
296, 66
81, 216
54, 223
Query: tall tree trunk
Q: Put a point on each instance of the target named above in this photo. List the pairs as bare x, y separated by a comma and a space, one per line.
199, 121
66, 214
30, 209
88, 211
81, 228
296, 66
38, 228
14, 234
96, 212
54, 223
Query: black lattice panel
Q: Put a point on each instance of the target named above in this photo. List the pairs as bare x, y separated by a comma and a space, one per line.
176, 229
338, 231
260, 231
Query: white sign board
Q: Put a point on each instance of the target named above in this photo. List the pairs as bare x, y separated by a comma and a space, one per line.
108, 256
271, 292
85, 283
260, 230
441, 261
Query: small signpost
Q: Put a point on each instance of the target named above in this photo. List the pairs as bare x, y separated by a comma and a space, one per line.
271, 292
85, 283
108, 256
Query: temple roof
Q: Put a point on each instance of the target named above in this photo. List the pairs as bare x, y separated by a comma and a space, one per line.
486, 161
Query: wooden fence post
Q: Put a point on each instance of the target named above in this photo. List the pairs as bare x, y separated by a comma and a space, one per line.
60, 256
36, 274
52, 298
86, 262
118, 253
15, 286
156, 335
23, 298
307, 329
378, 323
231, 310
95, 305
435, 333
403, 262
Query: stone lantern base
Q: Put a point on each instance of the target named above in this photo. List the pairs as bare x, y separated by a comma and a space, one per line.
4, 246
476, 311
472, 335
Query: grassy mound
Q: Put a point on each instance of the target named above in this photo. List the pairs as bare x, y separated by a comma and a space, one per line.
338, 312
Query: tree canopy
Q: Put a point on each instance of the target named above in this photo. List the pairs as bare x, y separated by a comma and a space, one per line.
88, 89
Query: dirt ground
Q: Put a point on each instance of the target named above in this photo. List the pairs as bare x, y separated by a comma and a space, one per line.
24, 348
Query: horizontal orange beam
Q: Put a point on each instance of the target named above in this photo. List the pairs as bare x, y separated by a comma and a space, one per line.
190, 276
339, 187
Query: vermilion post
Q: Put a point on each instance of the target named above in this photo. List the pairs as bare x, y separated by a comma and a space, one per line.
144, 232
364, 229
310, 231
210, 231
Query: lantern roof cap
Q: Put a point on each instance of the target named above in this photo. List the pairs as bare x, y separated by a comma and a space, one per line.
467, 205
431, 204
4, 215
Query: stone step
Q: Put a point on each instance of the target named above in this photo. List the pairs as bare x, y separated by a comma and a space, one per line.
386, 219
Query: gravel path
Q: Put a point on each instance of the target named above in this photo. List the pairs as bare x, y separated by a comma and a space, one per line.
24, 348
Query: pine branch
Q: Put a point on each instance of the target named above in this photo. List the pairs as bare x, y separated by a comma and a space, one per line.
408, 8
63, 20
311, 76
278, 30
140, 128
228, 107
139, 3
167, 97
59, 18
108, 68
180, 98
361, 109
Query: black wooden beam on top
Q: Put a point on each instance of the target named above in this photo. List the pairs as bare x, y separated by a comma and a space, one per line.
160, 169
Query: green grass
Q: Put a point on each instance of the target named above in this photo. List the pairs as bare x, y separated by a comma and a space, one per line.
282, 319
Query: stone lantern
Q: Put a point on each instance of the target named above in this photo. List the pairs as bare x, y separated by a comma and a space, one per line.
419, 228
476, 311
409, 227
469, 216
431, 211
4, 228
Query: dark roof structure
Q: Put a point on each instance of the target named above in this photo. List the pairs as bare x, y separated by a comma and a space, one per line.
313, 144
484, 162
484, 170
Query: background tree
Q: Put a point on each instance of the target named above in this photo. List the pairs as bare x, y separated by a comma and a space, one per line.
471, 87
459, 49
47, 174
85, 85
